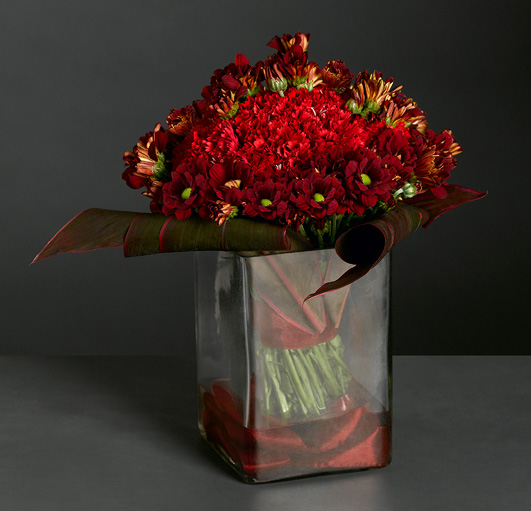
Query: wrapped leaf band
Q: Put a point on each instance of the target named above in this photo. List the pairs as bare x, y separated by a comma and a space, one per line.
146, 233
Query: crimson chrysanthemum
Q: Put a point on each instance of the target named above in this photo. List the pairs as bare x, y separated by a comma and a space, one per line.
186, 191
319, 196
149, 165
224, 195
266, 199
436, 161
336, 76
367, 181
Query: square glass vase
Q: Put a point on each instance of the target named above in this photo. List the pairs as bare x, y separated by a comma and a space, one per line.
290, 387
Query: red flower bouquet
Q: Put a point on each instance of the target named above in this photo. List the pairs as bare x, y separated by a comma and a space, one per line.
281, 160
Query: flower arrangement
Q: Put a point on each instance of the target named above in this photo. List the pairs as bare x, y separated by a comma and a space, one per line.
294, 155
285, 156
287, 142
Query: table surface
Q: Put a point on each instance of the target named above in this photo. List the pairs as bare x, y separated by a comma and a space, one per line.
119, 433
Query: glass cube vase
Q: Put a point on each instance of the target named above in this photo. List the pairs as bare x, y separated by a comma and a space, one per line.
288, 387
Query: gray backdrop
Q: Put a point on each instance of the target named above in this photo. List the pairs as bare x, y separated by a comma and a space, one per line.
82, 81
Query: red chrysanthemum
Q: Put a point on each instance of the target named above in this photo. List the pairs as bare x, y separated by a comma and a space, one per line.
369, 93
336, 76
267, 200
231, 84
186, 191
148, 164
182, 121
319, 196
367, 181
224, 195
287, 42
436, 161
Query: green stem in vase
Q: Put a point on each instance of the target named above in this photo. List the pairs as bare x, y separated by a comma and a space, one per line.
343, 372
336, 346
321, 358
316, 383
305, 380
302, 382
265, 370
297, 385
275, 377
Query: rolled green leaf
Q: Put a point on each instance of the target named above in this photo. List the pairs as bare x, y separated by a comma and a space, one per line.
148, 233
238, 235
367, 244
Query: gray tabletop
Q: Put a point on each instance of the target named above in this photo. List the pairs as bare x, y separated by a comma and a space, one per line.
119, 433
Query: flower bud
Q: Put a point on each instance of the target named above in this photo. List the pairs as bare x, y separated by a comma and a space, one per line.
277, 85
409, 190
160, 172
354, 107
373, 106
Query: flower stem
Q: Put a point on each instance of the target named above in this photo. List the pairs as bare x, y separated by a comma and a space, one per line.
334, 227
316, 384
322, 360
301, 382
301, 371
297, 385
271, 366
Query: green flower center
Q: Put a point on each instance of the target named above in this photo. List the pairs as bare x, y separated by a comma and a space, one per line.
318, 197
366, 180
186, 193
265, 202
